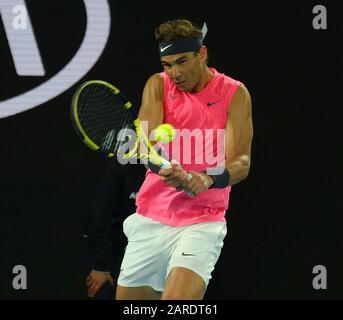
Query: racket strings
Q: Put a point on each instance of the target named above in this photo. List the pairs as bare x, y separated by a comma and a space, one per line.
103, 115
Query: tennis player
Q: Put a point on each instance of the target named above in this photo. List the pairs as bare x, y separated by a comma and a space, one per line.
174, 239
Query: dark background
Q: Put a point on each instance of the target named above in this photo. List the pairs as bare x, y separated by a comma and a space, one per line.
284, 219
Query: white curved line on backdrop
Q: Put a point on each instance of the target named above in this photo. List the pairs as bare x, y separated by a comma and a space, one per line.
93, 44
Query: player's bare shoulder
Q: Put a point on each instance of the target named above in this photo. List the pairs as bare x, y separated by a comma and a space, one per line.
241, 101
155, 84
242, 95
152, 101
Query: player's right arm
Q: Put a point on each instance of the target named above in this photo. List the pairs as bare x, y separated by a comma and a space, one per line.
152, 102
152, 111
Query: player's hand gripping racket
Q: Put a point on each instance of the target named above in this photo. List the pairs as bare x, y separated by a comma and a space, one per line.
105, 121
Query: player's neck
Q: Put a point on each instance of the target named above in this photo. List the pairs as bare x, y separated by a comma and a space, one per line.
205, 78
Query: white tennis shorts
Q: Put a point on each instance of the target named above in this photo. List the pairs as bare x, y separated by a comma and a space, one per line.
154, 249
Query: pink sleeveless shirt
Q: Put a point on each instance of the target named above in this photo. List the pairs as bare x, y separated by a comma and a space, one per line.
199, 119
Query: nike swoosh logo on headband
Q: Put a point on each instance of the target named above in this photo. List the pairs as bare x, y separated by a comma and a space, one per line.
166, 47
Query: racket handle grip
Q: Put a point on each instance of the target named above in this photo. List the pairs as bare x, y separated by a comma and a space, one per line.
165, 164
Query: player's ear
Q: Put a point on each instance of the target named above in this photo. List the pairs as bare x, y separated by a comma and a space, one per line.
203, 54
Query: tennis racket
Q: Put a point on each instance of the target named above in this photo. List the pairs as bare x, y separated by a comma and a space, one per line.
104, 119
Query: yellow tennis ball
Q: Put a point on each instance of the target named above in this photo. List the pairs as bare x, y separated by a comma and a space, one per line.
164, 133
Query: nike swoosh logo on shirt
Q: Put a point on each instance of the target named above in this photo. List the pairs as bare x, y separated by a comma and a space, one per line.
166, 47
211, 103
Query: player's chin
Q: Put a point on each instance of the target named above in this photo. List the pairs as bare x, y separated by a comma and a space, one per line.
182, 86
186, 90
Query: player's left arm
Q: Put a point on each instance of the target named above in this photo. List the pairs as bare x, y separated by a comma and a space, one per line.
238, 139
239, 135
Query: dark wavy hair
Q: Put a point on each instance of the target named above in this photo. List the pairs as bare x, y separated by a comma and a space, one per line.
176, 29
